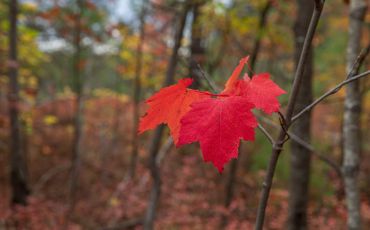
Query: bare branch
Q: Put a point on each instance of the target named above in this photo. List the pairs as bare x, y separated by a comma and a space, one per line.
209, 81
164, 150
49, 175
322, 157
308, 146
359, 60
319, 4
355, 67
277, 148
267, 134
330, 92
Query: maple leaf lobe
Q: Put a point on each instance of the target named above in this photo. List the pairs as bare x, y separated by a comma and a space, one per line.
262, 92
230, 84
218, 124
169, 105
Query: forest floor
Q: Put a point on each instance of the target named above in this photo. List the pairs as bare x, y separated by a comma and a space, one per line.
192, 192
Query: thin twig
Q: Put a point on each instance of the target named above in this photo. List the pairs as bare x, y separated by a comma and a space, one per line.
322, 157
359, 60
267, 134
355, 67
209, 81
49, 175
308, 146
163, 151
328, 93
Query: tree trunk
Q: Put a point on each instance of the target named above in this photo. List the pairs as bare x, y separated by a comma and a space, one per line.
137, 92
153, 151
78, 119
196, 48
351, 121
19, 185
261, 27
300, 156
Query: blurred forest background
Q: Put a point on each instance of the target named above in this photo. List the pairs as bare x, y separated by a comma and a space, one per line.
70, 156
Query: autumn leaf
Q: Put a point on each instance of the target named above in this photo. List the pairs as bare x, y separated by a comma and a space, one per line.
169, 105
260, 91
230, 84
218, 124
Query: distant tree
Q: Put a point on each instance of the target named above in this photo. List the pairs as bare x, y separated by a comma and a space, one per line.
157, 136
351, 119
137, 88
19, 183
300, 157
77, 67
80, 24
197, 49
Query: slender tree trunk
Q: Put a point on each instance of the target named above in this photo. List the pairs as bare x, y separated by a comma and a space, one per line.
153, 151
19, 185
78, 119
261, 27
351, 122
196, 48
301, 157
137, 92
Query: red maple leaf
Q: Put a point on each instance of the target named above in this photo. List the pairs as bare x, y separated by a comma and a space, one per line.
260, 91
169, 105
230, 84
218, 124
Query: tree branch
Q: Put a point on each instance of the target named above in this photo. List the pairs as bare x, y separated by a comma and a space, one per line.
277, 148
306, 145
209, 81
164, 150
359, 60
330, 92
267, 134
355, 67
322, 157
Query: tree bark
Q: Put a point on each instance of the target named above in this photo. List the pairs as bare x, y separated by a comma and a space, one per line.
137, 92
261, 26
78, 119
300, 158
196, 48
153, 150
351, 121
18, 180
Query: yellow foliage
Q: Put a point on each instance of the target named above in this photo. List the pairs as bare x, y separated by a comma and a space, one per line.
114, 202
104, 92
50, 120
338, 23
